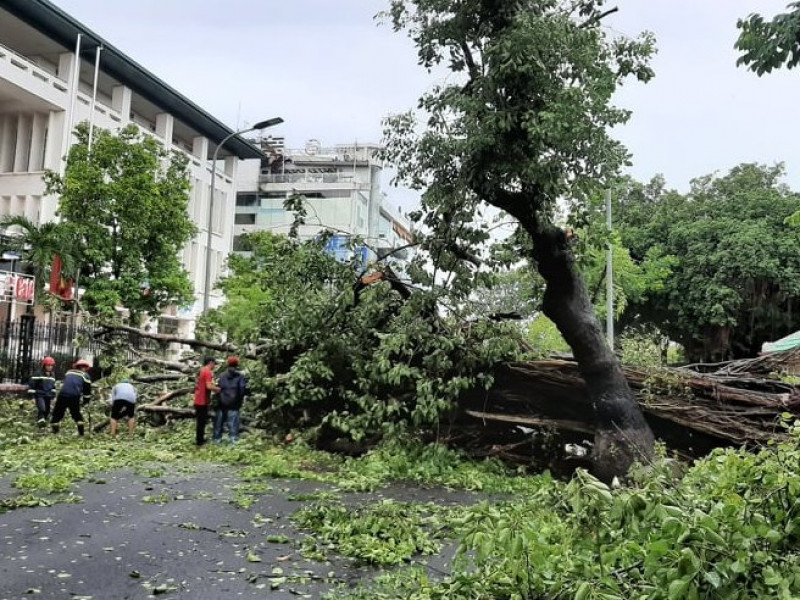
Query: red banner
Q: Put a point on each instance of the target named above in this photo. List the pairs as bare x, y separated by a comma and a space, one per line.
59, 285
17, 287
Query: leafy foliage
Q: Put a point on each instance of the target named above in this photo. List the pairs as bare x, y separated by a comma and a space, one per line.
523, 121
727, 528
735, 267
767, 45
351, 360
386, 533
127, 201
527, 110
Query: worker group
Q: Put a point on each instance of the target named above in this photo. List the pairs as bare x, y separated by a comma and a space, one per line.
226, 394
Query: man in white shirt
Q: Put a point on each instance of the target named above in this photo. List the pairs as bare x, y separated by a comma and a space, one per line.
123, 404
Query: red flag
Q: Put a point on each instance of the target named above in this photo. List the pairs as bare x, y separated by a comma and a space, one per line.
60, 285
55, 275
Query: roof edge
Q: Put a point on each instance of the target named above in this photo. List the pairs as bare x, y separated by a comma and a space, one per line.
54, 22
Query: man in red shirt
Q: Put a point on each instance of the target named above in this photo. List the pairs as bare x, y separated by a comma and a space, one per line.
202, 397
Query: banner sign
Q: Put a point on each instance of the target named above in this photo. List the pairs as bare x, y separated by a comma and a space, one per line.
17, 287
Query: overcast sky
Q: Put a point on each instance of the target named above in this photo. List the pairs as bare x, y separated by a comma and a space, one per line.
333, 73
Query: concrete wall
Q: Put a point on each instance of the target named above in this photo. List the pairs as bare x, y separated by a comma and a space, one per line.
35, 133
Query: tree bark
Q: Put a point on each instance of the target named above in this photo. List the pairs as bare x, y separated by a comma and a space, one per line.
622, 436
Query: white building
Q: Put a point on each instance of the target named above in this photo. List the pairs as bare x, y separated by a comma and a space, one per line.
45, 90
342, 190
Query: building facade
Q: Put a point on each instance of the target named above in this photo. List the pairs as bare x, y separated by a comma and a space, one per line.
56, 73
341, 187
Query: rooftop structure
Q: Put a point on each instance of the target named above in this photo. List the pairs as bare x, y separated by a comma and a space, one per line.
342, 190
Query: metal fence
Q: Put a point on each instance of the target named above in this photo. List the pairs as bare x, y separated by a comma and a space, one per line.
25, 342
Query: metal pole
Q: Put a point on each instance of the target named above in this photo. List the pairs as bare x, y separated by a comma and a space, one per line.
94, 94
76, 72
609, 277
74, 327
207, 279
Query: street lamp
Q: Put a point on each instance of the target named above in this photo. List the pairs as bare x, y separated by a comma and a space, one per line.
258, 126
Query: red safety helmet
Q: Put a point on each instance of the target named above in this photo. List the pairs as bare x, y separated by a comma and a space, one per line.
81, 364
48, 361
233, 361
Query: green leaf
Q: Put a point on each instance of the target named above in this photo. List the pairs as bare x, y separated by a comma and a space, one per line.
677, 589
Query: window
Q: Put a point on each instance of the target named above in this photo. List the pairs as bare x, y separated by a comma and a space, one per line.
240, 244
245, 219
220, 200
193, 259
197, 200
168, 325
247, 200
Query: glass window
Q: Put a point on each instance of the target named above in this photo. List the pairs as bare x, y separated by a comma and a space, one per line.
245, 219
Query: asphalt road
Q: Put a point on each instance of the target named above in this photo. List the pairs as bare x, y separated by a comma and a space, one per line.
119, 542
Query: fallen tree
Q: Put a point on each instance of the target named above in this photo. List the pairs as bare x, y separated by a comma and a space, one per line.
347, 357
692, 409
739, 403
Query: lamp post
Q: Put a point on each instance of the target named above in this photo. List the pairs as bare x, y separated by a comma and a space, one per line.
258, 126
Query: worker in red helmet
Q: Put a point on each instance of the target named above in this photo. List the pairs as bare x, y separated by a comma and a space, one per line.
42, 388
76, 389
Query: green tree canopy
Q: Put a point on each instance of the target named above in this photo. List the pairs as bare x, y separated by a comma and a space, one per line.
767, 45
127, 200
522, 122
735, 282
348, 359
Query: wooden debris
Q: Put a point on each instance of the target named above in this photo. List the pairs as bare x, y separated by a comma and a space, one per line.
692, 409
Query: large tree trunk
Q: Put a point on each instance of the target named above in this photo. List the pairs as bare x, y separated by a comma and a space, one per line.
622, 435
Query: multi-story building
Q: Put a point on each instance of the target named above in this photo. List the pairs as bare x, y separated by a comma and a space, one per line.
51, 79
341, 187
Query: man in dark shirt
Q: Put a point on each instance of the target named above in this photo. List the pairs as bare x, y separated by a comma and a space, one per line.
232, 390
76, 389
42, 388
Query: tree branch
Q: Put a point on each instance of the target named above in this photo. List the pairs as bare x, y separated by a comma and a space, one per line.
166, 364
600, 17
170, 339
470, 61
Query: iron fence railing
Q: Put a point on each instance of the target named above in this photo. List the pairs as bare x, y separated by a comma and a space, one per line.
25, 342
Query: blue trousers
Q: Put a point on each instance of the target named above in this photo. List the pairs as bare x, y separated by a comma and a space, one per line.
42, 407
231, 417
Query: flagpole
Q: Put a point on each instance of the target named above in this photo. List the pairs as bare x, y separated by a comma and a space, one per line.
94, 93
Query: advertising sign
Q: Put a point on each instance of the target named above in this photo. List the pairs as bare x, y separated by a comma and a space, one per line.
17, 287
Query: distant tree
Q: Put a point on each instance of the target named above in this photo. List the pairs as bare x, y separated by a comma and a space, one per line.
522, 122
735, 277
127, 200
767, 45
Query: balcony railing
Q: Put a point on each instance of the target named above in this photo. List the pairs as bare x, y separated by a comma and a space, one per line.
24, 64
345, 178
